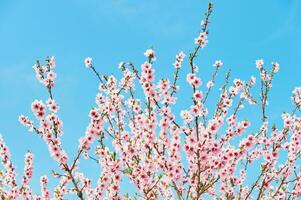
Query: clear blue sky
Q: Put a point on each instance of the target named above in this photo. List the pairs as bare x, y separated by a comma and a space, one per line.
115, 30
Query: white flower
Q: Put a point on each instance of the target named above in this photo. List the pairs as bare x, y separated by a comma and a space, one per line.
201, 40
88, 62
51, 75
202, 23
259, 63
210, 84
52, 62
150, 53
218, 63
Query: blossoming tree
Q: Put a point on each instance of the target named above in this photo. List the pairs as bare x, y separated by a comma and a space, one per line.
165, 156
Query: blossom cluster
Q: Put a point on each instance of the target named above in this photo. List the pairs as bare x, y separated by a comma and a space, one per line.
134, 134
45, 73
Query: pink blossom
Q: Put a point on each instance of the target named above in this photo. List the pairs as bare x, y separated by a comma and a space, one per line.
201, 40
138, 133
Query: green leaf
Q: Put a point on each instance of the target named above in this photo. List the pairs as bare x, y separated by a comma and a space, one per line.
161, 176
127, 171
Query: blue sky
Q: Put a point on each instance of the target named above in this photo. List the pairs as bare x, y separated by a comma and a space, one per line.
117, 30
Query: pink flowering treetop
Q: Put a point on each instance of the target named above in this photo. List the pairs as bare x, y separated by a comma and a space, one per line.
162, 155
